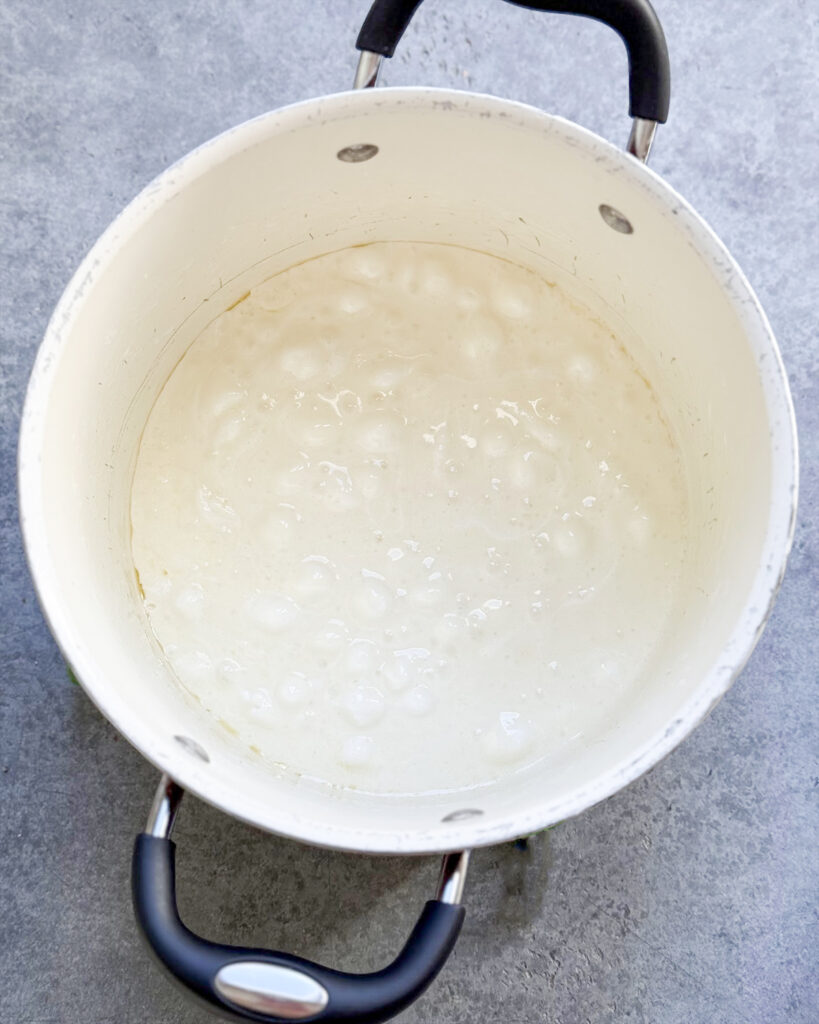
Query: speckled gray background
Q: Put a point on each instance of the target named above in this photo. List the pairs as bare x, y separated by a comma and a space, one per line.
690, 897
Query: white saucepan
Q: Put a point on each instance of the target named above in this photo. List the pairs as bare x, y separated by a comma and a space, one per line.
398, 164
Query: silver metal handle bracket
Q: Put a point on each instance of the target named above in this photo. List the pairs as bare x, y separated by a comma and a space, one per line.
453, 877
641, 138
169, 795
369, 66
166, 803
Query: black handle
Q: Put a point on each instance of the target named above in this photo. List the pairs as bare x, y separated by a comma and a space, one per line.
257, 985
634, 20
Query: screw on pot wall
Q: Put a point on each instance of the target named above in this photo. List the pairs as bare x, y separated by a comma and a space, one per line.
461, 815
193, 747
358, 153
615, 219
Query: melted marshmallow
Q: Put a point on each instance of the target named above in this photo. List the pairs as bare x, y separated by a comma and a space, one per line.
407, 519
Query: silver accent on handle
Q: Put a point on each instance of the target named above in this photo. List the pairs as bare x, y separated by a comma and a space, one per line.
366, 75
272, 989
453, 877
641, 137
166, 803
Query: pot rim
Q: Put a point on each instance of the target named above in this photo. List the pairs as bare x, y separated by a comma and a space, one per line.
474, 832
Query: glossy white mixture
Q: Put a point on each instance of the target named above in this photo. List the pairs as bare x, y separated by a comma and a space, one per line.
407, 519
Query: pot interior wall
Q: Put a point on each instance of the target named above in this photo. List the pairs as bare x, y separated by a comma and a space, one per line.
463, 169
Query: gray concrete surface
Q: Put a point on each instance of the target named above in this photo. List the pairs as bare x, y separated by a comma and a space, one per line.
690, 897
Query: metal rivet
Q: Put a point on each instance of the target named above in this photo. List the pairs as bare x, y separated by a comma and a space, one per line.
358, 153
193, 747
462, 815
615, 219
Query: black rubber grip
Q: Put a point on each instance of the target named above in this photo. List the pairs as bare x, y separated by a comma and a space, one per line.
634, 20
195, 962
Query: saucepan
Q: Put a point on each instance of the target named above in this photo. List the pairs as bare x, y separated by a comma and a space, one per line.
412, 164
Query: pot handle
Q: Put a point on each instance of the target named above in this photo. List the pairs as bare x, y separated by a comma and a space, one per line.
275, 988
635, 21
